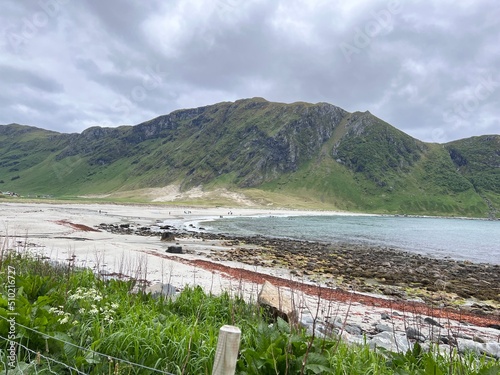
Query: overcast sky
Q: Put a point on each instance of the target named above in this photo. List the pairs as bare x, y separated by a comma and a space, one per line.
430, 68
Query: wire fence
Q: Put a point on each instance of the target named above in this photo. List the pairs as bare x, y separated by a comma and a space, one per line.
36, 361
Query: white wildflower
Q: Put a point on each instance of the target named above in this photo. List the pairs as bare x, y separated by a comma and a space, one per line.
94, 309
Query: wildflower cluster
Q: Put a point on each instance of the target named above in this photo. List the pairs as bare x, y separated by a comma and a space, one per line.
87, 294
106, 312
63, 316
88, 303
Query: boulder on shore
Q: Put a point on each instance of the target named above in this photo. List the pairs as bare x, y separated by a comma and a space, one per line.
167, 236
276, 303
174, 249
161, 290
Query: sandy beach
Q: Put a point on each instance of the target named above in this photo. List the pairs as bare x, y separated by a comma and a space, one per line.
73, 233
46, 229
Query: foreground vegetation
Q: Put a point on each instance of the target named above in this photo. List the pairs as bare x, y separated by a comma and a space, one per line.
69, 319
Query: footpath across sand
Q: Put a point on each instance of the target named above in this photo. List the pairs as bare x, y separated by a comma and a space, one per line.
69, 233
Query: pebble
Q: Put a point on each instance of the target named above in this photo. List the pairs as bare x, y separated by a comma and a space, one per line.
432, 322
390, 341
383, 328
385, 316
413, 333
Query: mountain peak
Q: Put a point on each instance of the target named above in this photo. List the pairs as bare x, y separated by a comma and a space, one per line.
257, 99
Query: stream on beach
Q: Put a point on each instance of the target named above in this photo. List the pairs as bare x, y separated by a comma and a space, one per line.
459, 239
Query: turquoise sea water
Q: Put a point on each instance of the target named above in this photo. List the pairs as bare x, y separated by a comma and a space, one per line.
473, 240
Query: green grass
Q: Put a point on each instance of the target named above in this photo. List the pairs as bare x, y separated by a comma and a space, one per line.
61, 304
331, 186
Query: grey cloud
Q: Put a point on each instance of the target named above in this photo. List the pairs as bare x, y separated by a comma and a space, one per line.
121, 18
23, 78
422, 61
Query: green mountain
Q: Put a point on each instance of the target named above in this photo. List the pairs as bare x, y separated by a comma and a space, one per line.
296, 155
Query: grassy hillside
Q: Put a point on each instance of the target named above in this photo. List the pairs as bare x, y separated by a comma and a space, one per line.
478, 159
371, 166
296, 155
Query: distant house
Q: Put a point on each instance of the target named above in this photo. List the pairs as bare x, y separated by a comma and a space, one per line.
9, 193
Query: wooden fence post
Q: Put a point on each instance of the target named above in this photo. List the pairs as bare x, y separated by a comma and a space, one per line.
226, 354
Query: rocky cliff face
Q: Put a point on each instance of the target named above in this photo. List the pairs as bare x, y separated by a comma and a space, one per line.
297, 141
376, 149
256, 139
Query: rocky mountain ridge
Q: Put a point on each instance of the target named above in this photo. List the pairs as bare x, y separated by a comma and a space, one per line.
317, 153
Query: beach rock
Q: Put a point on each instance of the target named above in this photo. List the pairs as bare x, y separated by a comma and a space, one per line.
465, 346
307, 321
174, 249
432, 322
383, 328
337, 323
478, 339
351, 339
390, 341
414, 334
385, 316
491, 349
160, 290
391, 291
353, 329
276, 303
306, 318
168, 236
462, 336
447, 340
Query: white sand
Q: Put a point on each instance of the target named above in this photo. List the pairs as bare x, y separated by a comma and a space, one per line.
35, 224
33, 227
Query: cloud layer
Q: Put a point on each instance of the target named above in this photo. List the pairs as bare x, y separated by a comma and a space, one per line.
430, 68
